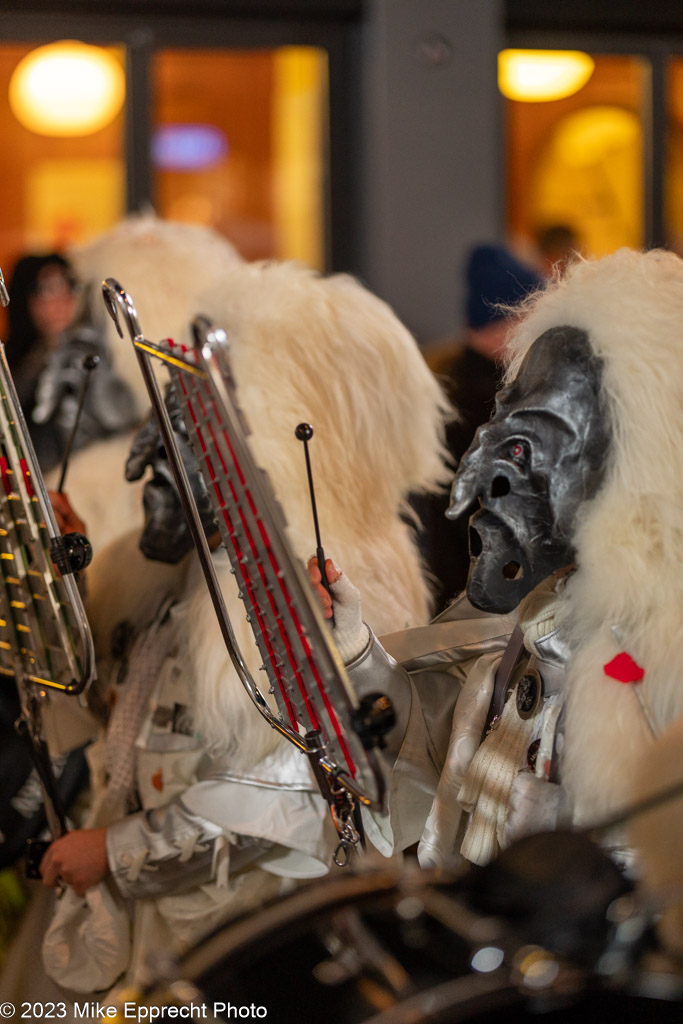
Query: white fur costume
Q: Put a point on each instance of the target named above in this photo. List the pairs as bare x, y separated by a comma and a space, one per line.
658, 834
171, 264
626, 596
629, 539
304, 348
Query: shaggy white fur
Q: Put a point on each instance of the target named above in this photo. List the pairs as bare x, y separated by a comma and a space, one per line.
629, 538
326, 351
304, 347
170, 264
658, 834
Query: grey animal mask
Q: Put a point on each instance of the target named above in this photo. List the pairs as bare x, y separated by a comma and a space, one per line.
532, 465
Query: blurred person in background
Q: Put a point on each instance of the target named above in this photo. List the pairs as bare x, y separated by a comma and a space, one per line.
496, 283
49, 336
44, 300
558, 245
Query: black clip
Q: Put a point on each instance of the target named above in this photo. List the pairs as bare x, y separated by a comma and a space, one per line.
71, 553
35, 851
373, 719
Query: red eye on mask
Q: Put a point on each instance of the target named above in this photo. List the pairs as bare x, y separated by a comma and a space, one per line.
519, 452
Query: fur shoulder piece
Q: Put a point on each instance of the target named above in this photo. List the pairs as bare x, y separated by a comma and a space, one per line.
628, 592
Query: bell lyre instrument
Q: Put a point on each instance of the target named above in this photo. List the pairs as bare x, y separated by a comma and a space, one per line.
45, 639
318, 710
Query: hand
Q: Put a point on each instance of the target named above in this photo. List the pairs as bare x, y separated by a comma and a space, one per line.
79, 859
350, 635
67, 520
533, 806
315, 576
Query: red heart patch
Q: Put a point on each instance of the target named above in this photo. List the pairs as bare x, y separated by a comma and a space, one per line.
624, 669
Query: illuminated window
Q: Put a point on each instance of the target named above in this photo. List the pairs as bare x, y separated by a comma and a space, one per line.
239, 143
578, 161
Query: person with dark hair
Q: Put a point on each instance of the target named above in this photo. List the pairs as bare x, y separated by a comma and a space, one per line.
496, 283
43, 304
49, 338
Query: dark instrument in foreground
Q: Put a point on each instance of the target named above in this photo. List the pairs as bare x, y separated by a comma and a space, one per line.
549, 931
45, 640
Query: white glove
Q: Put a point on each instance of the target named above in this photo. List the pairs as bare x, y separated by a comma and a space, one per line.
350, 633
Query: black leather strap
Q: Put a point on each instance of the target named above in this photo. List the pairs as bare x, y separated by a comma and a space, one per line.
511, 656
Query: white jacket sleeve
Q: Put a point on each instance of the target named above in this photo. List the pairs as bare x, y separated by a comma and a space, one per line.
171, 849
423, 671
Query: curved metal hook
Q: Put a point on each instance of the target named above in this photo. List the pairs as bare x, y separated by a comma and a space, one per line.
115, 295
205, 332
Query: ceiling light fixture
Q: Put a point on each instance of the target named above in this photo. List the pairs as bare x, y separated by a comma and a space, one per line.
67, 89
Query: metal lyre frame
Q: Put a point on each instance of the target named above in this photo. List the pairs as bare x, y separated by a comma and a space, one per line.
315, 699
45, 639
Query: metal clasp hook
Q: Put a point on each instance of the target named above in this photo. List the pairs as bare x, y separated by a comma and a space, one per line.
348, 840
344, 851
114, 296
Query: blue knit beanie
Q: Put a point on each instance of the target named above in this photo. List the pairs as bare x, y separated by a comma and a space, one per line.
495, 276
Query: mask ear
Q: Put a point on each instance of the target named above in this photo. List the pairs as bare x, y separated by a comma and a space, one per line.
142, 450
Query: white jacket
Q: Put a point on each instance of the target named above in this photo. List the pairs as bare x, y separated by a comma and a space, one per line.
440, 678
208, 841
